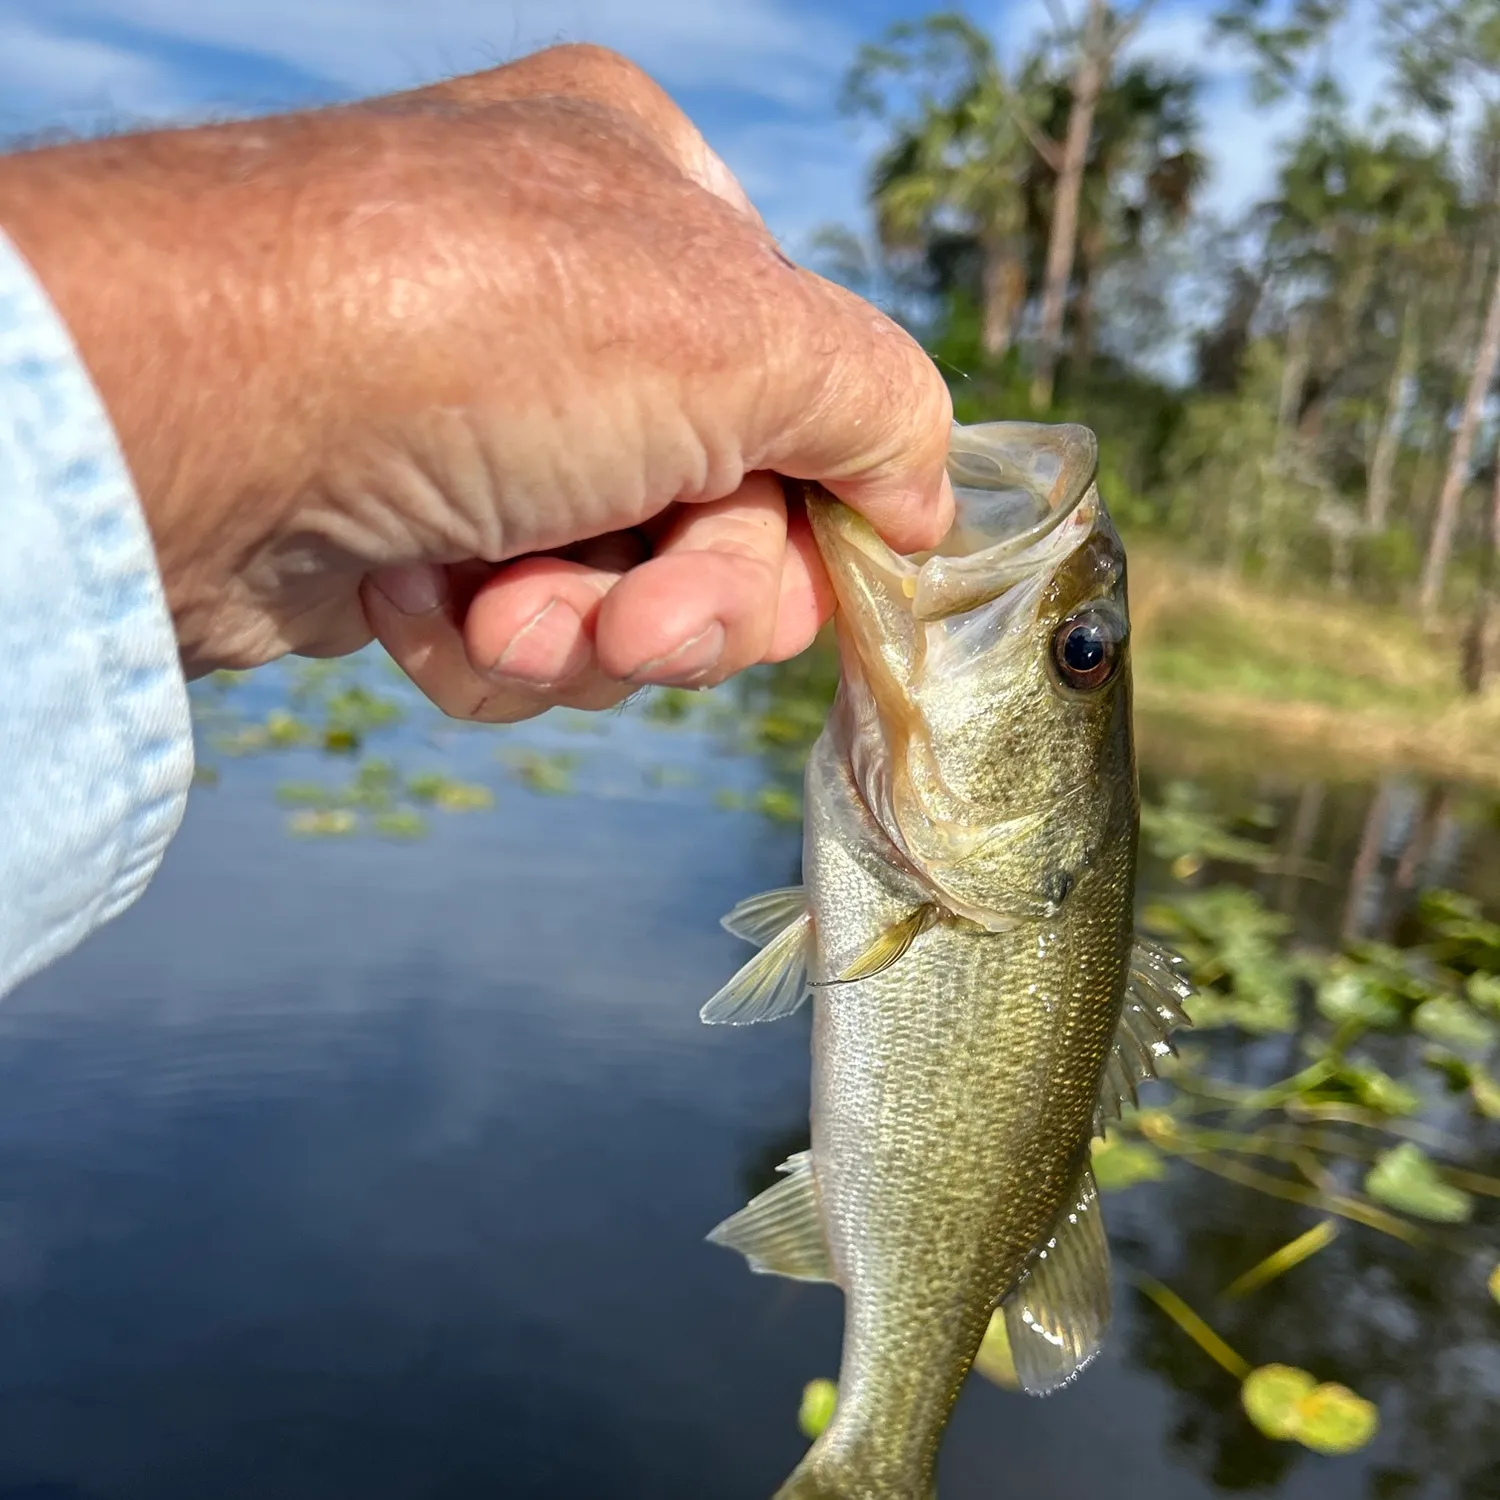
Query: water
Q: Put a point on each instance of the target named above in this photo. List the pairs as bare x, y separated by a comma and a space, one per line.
354, 1167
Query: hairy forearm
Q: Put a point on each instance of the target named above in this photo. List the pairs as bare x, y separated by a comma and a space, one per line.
491, 318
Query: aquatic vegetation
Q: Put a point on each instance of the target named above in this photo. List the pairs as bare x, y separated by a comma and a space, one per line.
1288, 1404
323, 822
1405, 1178
1234, 943
819, 1399
540, 771
448, 793
1185, 829
399, 823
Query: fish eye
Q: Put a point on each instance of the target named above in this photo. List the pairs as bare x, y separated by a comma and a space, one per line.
1086, 649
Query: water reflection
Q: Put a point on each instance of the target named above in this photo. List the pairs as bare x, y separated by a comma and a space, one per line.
356, 1166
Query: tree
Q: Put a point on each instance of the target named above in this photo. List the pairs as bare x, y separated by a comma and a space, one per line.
956, 161
1447, 50
1094, 45
1141, 173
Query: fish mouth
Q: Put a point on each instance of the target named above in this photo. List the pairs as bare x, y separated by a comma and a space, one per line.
1018, 488
1024, 500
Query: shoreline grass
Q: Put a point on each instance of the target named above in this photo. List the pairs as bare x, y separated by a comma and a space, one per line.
1358, 687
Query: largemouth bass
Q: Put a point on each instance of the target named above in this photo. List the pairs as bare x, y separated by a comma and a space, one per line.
965, 930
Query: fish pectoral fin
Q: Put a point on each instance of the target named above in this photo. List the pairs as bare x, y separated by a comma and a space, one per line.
780, 1231
773, 984
888, 947
1057, 1316
758, 919
1154, 996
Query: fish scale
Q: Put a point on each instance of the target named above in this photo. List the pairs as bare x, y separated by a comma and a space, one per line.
949, 1198
980, 1004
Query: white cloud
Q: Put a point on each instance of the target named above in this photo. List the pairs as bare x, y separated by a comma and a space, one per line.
47, 79
773, 48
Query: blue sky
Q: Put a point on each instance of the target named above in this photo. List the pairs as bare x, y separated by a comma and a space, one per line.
759, 76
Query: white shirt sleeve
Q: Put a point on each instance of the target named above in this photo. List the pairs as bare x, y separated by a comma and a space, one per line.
96, 751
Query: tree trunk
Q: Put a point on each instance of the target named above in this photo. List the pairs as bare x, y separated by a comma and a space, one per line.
1388, 442
1088, 81
1481, 645
1004, 293
1090, 254
1446, 521
1293, 378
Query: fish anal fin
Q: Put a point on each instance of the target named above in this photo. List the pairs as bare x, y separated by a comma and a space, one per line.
780, 1231
757, 919
1155, 992
1057, 1316
889, 946
773, 984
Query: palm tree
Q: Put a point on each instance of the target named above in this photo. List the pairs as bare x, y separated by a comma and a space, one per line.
1095, 45
956, 161
1142, 171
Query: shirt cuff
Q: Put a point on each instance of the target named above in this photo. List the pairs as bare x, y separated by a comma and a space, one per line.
96, 750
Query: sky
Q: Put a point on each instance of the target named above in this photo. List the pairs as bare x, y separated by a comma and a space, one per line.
760, 77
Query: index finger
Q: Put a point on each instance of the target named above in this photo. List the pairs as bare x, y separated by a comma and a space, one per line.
856, 404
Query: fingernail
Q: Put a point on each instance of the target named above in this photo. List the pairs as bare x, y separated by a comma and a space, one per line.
414, 589
946, 504
550, 646
689, 664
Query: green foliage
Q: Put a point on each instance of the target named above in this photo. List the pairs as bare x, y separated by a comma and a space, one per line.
1456, 1024
1232, 941
819, 1401
1289, 1405
1120, 1162
1405, 1178
551, 774
1185, 828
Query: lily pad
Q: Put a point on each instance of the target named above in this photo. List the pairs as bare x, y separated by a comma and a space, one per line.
322, 822
1120, 1163
1376, 1089
1483, 990
1351, 996
819, 1400
1271, 1396
1484, 1089
1289, 1405
400, 823
1455, 1024
994, 1360
1334, 1420
1405, 1178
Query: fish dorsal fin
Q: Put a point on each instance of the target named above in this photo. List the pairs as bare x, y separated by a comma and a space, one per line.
780, 1232
773, 984
1154, 996
758, 919
1057, 1316
889, 946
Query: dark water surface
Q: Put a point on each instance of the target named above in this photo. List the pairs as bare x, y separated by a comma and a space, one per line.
354, 1168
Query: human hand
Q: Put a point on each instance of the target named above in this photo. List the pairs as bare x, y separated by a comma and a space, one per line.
501, 370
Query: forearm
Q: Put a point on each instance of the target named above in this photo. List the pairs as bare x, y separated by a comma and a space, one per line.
95, 741
170, 257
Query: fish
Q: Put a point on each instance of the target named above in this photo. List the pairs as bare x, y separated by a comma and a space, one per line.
981, 1004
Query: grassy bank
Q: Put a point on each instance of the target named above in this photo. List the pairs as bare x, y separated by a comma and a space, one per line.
1333, 678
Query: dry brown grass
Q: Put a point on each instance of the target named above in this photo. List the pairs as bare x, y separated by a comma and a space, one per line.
1360, 686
